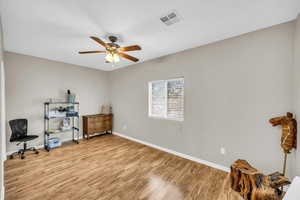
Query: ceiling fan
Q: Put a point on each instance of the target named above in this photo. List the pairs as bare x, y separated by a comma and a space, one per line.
113, 50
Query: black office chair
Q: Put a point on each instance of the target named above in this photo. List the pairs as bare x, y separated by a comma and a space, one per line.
19, 134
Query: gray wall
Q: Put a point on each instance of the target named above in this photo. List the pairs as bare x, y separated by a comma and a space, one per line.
2, 115
30, 81
296, 93
232, 89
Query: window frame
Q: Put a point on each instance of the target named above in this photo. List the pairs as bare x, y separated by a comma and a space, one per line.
150, 115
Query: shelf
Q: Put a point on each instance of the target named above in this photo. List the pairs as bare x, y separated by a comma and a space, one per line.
47, 103
60, 117
58, 131
71, 113
63, 144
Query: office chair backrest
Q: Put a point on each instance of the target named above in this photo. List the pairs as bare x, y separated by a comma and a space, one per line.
18, 128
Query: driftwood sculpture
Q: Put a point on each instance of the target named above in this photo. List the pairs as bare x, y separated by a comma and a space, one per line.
289, 134
289, 131
253, 185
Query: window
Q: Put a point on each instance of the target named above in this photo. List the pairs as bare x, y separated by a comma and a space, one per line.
166, 99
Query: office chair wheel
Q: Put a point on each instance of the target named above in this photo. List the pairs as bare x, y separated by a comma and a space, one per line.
22, 157
36, 152
11, 157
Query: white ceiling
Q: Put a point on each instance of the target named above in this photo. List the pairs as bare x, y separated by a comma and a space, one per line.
58, 29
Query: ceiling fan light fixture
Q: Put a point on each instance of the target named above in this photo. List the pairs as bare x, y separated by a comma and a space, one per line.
113, 50
112, 57
116, 58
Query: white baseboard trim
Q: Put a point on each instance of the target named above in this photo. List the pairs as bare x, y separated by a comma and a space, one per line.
198, 160
4, 157
2, 193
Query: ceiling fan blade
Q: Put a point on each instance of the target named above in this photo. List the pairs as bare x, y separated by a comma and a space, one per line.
85, 52
99, 41
128, 57
130, 48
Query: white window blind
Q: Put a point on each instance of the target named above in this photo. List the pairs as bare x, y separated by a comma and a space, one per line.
166, 99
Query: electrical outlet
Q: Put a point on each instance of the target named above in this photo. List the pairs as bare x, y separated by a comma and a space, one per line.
223, 151
124, 127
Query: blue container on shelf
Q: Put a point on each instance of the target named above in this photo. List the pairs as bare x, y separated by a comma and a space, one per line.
54, 143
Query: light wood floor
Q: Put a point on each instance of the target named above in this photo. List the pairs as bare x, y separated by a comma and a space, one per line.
112, 168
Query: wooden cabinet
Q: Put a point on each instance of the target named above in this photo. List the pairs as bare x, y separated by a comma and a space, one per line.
101, 123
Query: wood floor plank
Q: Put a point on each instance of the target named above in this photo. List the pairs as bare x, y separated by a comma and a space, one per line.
112, 168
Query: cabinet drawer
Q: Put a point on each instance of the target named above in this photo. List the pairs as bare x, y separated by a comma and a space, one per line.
108, 117
108, 124
91, 120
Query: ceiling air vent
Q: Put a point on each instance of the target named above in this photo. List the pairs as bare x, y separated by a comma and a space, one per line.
170, 18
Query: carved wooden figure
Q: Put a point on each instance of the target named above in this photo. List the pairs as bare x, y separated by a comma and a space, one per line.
289, 133
253, 185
